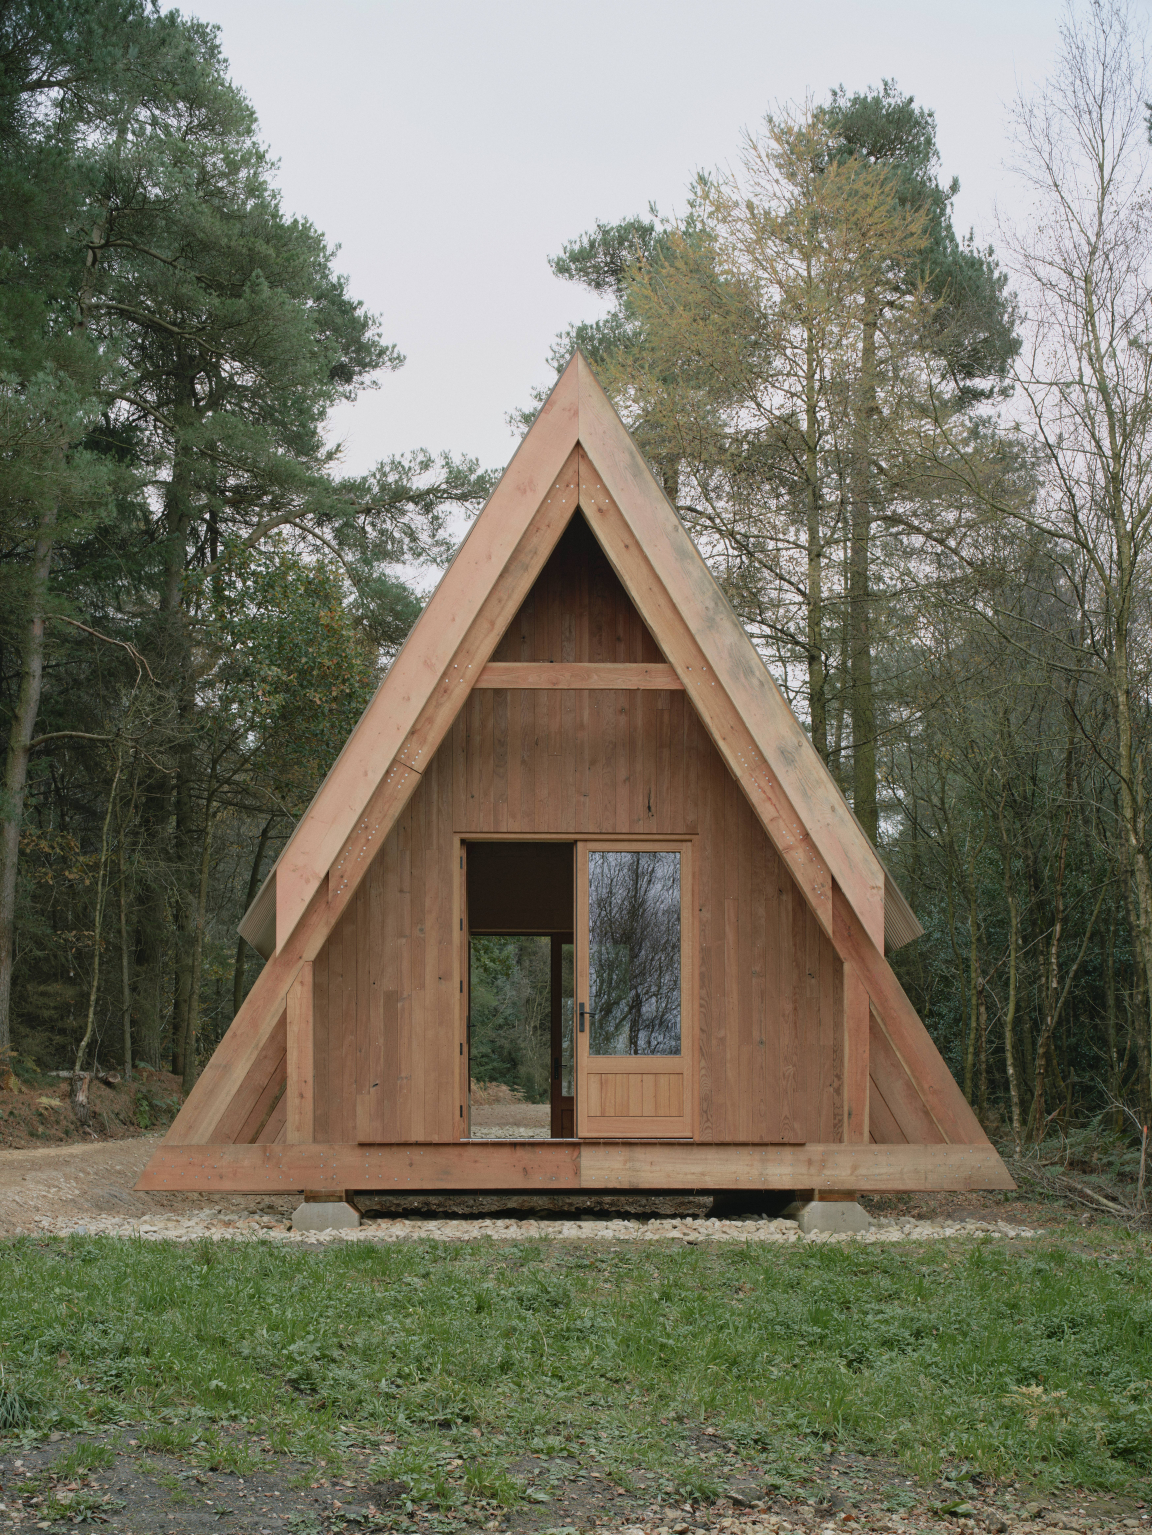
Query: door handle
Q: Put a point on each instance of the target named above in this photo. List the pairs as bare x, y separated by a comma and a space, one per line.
555, 1068
582, 1017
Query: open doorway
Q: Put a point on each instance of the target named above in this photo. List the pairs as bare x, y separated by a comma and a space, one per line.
521, 1062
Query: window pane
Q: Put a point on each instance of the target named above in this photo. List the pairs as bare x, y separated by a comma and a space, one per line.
634, 953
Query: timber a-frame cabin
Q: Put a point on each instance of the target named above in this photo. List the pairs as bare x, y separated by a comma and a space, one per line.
578, 739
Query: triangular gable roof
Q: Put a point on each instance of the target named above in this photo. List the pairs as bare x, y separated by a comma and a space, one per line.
578, 411
578, 455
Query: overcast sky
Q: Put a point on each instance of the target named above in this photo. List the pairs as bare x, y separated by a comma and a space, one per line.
450, 148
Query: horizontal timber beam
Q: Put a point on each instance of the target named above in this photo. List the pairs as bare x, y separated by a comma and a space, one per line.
570, 1166
577, 674
869, 1168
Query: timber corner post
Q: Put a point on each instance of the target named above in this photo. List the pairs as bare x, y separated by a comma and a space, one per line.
578, 677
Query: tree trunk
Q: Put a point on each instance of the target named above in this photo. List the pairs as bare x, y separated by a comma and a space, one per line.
975, 989
184, 926
1050, 965
188, 1053
178, 672
1010, 1010
1108, 965
859, 596
982, 1047
150, 920
817, 692
125, 966
16, 761
1132, 820
79, 1092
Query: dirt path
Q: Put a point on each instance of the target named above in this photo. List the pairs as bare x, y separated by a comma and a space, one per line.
97, 1178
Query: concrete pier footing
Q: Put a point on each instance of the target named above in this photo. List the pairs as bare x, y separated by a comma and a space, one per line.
828, 1215
325, 1215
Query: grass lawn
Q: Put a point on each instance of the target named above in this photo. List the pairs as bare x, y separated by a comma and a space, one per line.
481, 1376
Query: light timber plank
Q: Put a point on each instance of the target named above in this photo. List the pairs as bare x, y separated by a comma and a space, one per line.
857, 1027
560, 1167
898, 1092
494, 604
681, 1165
249, 1107
269, 1098
909, 1038
276, 1125
234, 1057
576, 674
300, 1058
882, 1124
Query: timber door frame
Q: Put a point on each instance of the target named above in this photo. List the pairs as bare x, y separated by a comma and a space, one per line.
463, 976
628, 1127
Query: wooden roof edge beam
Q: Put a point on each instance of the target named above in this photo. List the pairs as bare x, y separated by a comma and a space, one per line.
907, 1035
710, 697
622, 471
393, 710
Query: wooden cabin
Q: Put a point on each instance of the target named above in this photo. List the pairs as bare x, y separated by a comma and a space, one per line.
579, 742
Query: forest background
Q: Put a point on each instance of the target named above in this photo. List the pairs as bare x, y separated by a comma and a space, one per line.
918, 467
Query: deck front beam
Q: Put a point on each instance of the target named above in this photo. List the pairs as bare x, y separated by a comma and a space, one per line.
565, 1167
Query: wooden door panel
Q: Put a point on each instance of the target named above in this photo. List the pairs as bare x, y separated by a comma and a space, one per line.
634, 1095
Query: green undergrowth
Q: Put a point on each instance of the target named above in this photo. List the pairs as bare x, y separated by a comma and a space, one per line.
480, 1371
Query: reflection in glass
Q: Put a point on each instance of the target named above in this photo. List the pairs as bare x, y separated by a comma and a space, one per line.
634, 953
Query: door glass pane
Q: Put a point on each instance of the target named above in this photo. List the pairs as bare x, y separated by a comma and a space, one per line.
634, 953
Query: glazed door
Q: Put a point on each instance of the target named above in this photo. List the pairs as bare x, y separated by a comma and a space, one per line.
635, 1039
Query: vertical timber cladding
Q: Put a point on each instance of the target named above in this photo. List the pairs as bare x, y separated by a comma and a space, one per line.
577, 762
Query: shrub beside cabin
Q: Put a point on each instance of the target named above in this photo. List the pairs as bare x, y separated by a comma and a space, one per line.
579, 742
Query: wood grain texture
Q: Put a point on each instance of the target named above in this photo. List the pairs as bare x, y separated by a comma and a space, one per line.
883, 1126
550, 1166
857, 1026
229, 1071
300, 1056
911, 1043
576, 674
546, 1167
249, 1108
505, 588
896, 1096
776, 1064
388, 1004
431, 707
753, 1021
275, 1127
869, 1168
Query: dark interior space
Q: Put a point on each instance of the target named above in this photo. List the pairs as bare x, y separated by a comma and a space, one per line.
520, 887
